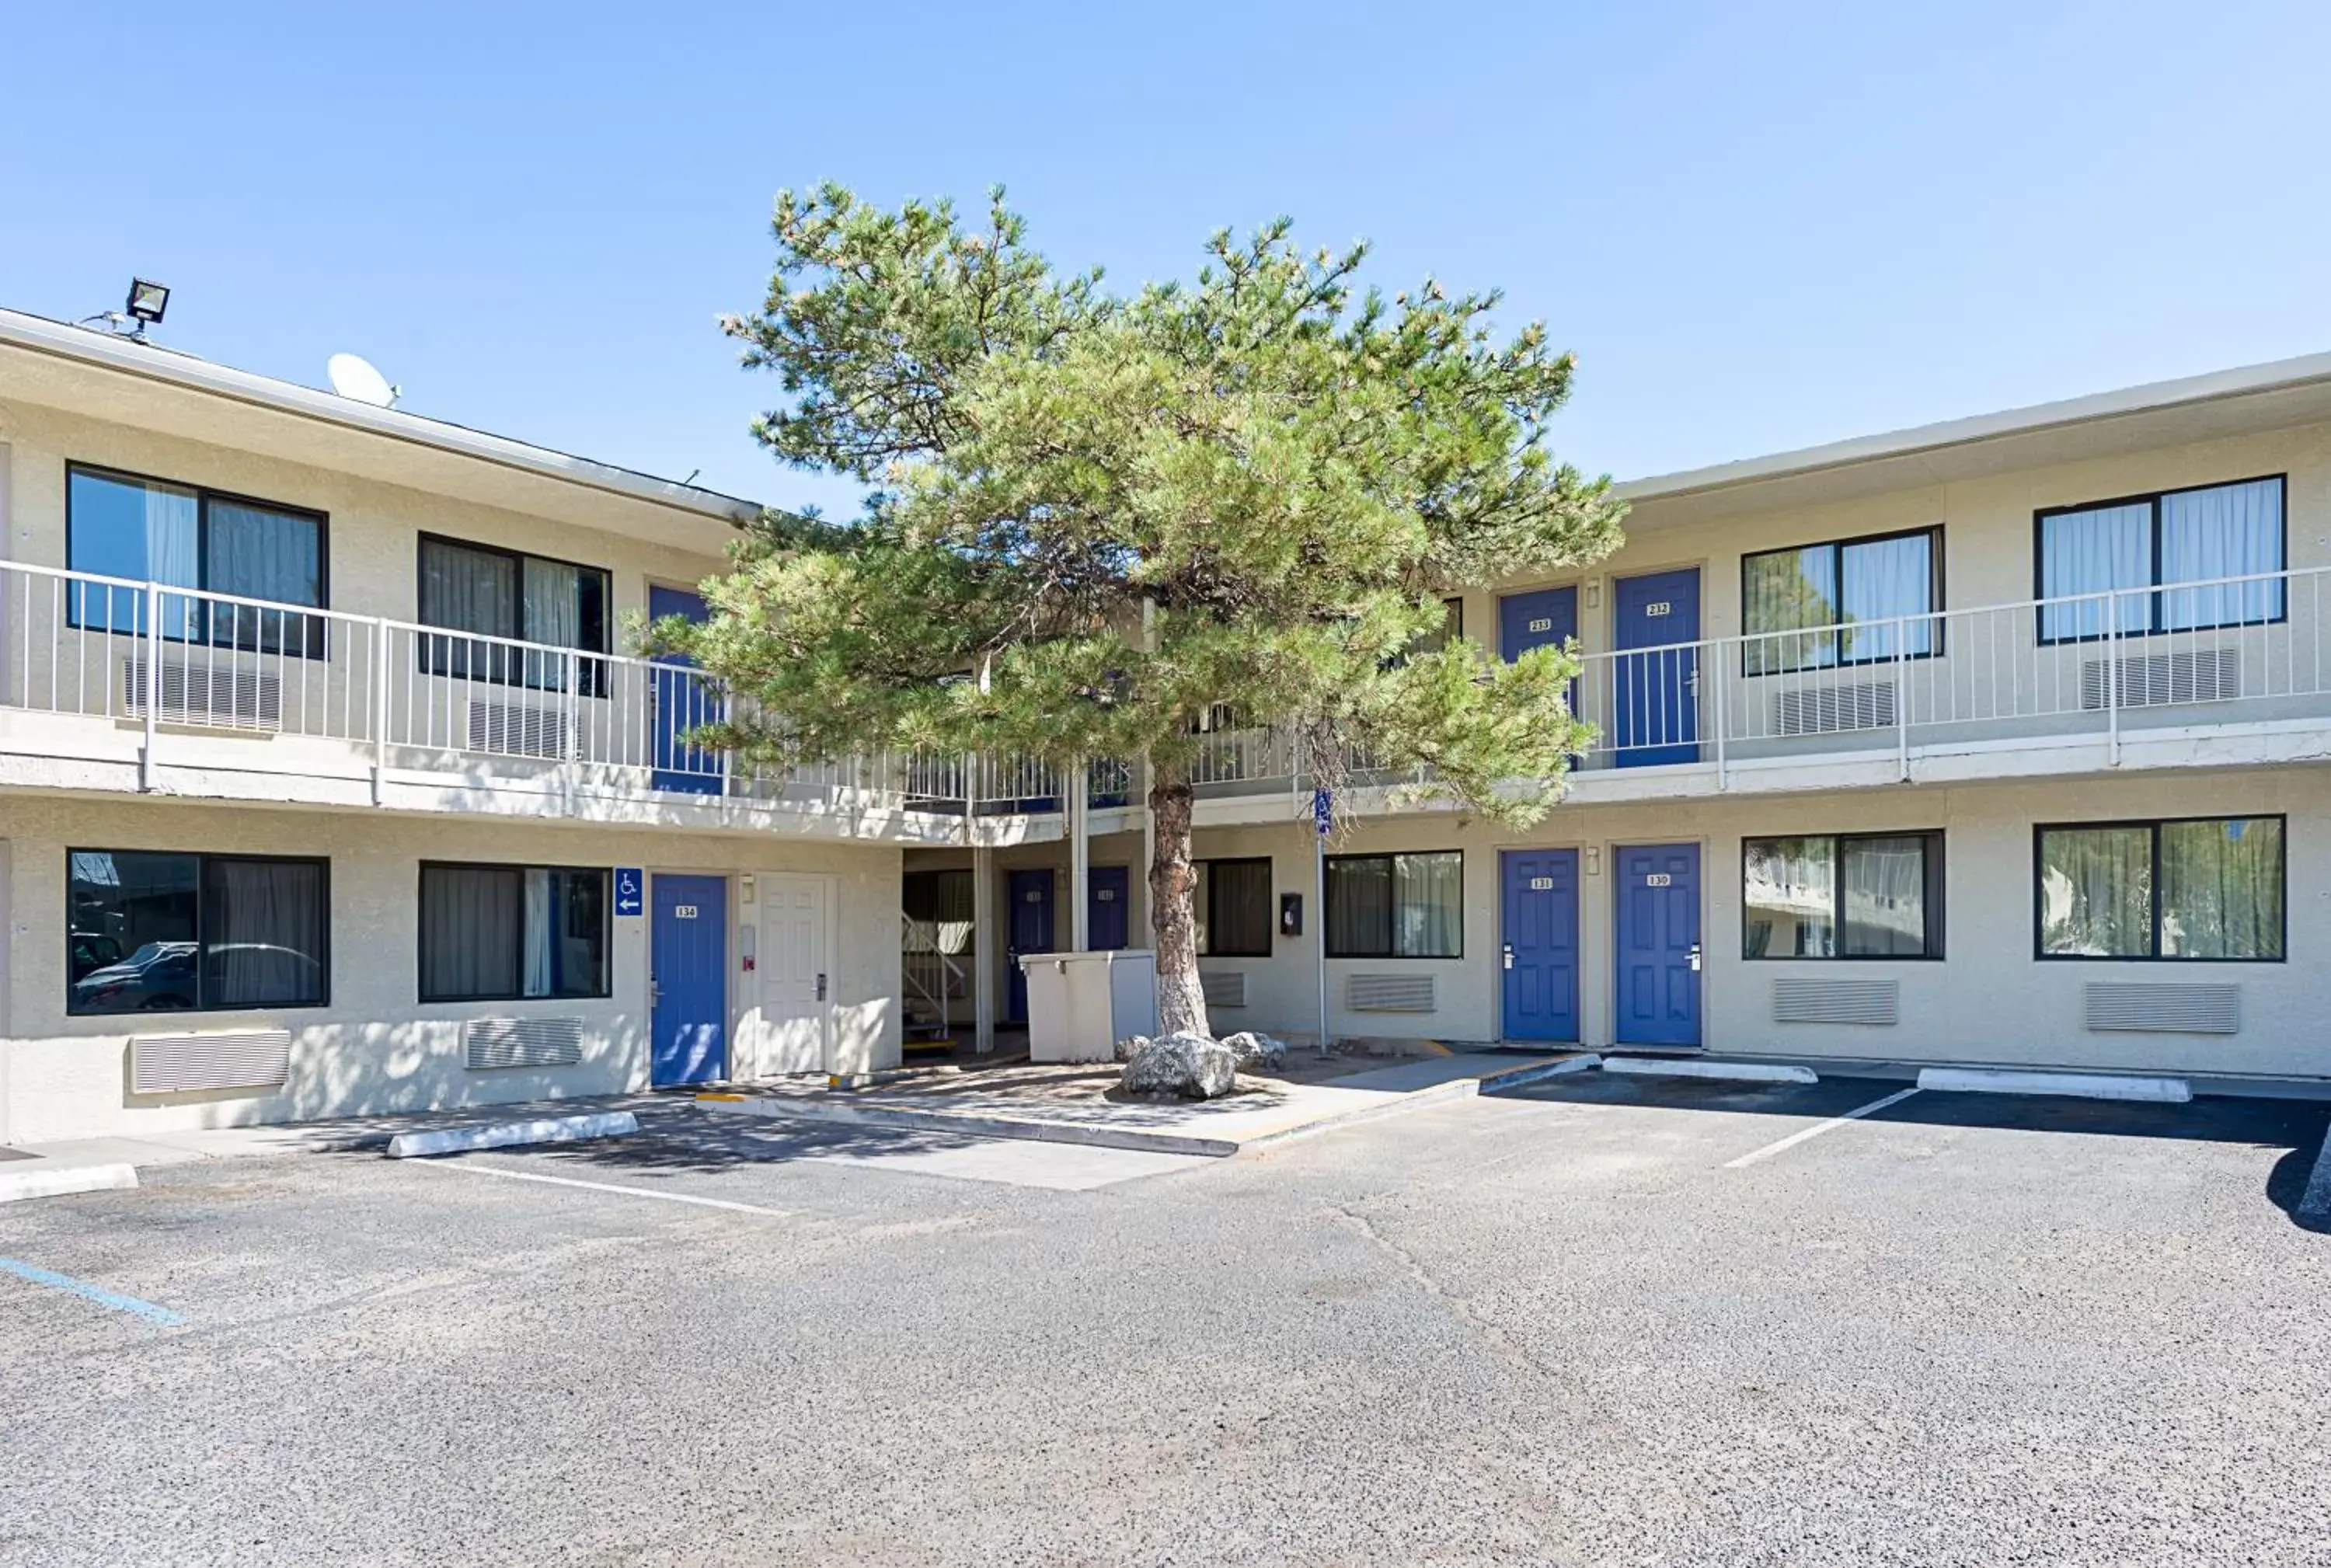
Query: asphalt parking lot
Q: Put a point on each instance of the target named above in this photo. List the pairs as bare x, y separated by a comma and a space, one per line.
1608, 1321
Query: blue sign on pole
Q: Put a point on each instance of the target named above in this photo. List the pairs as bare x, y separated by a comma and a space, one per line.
1323, 812
631, 890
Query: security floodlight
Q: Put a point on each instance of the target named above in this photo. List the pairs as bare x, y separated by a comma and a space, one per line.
148, 301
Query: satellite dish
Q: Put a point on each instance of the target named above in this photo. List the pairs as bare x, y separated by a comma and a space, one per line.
354, 378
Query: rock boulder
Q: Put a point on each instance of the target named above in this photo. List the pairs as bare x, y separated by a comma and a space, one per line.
1187, 1066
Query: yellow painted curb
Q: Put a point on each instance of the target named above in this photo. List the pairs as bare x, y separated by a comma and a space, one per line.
738, 1098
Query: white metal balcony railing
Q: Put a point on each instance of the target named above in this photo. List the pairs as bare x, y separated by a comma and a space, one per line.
396, 695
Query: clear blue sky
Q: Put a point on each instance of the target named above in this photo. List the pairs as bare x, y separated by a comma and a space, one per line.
1760, 226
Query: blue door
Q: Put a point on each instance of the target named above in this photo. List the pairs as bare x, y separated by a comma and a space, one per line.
1658, 945
1541, 947
690, 974
1106, 923
1656, 693
1031, 925
1527, 621
681, 700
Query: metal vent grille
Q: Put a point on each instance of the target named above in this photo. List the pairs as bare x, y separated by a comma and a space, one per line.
1834, 709
2160, 680
515, 730
228, 1058
490, 1042
1389, 993
1806, 999
215, 695
2146, 1007
1223, 988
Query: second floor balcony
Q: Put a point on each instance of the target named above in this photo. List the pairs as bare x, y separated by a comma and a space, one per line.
112, 684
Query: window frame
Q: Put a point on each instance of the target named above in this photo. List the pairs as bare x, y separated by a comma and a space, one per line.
591, 668
2039, 832
1393, 881
315, 640
606, 932
203, 858
1936, 909
1270, 922
1938, 619
2157, 592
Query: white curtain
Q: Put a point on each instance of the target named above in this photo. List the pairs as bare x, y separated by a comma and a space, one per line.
1882, 579
467, 915
2092, 552
2096, 892
1428, 893
2230, 531
550, 612
173, 554
2221, 888
541, 935
264, 934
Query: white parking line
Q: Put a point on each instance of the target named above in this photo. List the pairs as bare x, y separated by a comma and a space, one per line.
1818, 1129
603, 1187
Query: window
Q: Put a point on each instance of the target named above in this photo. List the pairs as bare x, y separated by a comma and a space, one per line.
148, 932
2199, 887
1234, 905
2130, 554
940, 905
1842, 896
1452, 628
523, 598
1812, 608
503, 933
1397, 905
120, 526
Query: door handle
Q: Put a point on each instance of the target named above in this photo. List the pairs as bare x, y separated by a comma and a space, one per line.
1509, 956
1694, 957
655, 991
821, 987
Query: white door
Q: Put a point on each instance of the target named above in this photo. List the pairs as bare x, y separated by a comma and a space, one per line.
794, 966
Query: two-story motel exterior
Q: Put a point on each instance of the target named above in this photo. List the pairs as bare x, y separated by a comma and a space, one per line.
326, 786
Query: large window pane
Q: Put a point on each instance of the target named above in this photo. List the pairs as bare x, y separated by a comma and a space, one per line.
264, 934
1791, 895
1236, 908
523, 598
1882, 579
1886, 897
256, 552
2096, 892
131, 926
500, 933
2221, 888
1359, 906
2227, 531
2094, 552
1429, 900
1790, 591
133, 529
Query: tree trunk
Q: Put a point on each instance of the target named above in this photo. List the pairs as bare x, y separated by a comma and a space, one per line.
1173, 912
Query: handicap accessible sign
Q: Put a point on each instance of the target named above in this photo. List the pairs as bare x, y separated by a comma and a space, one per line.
631, 898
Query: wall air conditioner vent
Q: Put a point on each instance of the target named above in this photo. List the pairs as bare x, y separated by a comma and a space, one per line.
516, 729
2160, 680
1389, 993
1224, 987
487, 1043
2144, 1007
1811, 999
1834, 709
225, 1059
220, 694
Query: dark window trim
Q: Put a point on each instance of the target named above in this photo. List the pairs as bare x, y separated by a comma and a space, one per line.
313, 642
591, 672
1269, 933
1837, 548
202, 859
1937, 906
2039, 832
1388, 856
606, 931
2156, 589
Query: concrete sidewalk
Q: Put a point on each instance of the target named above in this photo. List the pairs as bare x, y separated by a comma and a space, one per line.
1071, 1106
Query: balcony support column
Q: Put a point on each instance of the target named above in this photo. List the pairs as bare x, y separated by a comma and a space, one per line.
1076, 805
984, 949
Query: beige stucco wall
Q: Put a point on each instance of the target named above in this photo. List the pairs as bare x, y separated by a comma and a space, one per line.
1989, 1000
376, 1048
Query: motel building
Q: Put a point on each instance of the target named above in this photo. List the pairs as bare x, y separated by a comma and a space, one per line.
328, 786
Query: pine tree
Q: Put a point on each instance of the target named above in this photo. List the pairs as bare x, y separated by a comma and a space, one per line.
1096, 518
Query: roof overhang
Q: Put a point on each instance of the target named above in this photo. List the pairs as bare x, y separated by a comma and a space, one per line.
124, 381
2196, 408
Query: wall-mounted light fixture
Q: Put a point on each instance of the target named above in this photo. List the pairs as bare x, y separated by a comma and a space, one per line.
148, 301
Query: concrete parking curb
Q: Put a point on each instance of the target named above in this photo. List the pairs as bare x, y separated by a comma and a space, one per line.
507, 1135
2083, 1085
56, 1180
1539, 1072
1746, 1071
